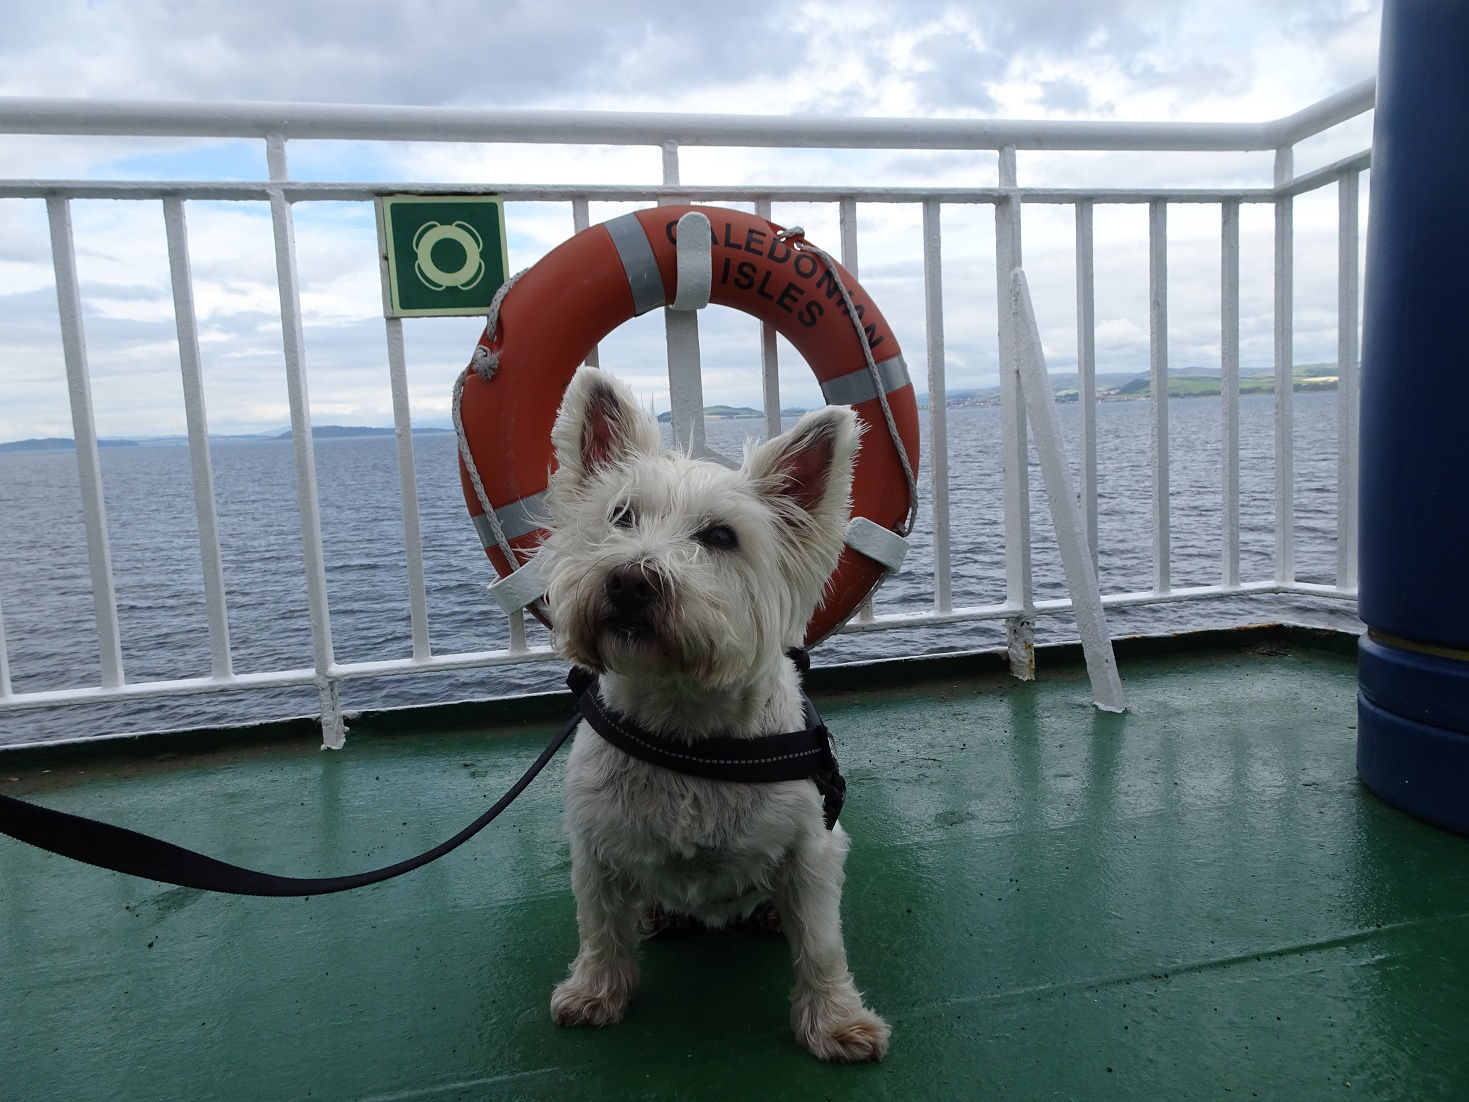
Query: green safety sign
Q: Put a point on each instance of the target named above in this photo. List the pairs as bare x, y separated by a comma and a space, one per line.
442, 254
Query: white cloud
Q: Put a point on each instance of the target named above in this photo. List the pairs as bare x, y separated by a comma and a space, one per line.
1180, 60
1071, 58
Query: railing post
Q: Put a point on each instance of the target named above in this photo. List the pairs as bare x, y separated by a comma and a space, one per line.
4, 657
1285, 369
1086, 369
847, 234
408, 487
186, 324
938, 433
1347, 385
1019, 594
847, 228
1229, 389
769, 356
333, 729
1158, 365
84, 431
581, 218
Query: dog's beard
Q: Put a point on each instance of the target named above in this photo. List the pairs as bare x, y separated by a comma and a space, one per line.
636, 643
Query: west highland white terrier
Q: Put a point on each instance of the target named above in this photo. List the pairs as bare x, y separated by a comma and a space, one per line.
682, 584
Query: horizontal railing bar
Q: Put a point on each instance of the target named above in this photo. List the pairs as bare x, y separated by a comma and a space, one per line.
1328, 174
1317, 589
362, 122
297, 191
95, 694
980, 613
467, 660
275, 679
1207, 593
1324, 114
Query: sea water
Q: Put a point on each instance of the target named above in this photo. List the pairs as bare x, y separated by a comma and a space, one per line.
50, 627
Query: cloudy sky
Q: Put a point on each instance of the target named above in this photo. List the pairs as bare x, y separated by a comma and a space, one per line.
1192, 60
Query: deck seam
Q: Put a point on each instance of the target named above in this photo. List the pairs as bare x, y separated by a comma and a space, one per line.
1355, 937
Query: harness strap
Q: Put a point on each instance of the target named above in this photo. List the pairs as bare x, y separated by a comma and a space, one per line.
807, 754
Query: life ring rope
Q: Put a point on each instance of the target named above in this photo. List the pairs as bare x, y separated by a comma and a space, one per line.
796, 235
500, 528
484, 363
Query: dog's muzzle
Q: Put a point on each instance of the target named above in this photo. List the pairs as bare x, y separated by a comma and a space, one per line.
632, 590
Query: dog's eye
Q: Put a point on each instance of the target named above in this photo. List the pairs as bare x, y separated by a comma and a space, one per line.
718, 537
623, 517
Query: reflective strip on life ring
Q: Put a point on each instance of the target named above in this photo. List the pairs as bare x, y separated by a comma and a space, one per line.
558, 311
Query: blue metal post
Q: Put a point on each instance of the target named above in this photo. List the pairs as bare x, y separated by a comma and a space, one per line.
1413, 705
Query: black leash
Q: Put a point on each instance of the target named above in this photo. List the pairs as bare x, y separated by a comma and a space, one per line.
792, 756
122, 850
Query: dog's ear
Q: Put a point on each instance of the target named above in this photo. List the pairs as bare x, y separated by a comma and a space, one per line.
810, 466
600, 425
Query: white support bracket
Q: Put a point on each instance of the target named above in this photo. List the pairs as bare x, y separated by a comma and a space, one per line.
333, 720
1020, 645
1076, 558
879, 544
525, 584
695, 260
695, 253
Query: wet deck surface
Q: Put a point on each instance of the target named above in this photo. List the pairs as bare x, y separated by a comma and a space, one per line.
1194, 900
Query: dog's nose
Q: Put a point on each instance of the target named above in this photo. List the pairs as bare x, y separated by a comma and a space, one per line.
631, 588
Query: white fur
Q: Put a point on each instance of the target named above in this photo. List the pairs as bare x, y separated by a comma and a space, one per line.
706, 655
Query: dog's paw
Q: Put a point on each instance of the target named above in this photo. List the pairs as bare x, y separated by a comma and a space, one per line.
574, 1004
841, 1034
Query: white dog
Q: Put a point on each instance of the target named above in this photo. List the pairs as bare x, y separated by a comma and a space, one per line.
682, 584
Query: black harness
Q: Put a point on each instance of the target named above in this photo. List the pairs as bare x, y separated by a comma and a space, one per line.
792, 756
807, 754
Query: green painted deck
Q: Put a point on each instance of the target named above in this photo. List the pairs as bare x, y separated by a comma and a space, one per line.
1194, 900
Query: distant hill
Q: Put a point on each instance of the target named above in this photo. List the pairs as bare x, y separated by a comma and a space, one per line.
718, 413
341, 432
333, 432
318, 432
1202, 383
59, 444
1183, 382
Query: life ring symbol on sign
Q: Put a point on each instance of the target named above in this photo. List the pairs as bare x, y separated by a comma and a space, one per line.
550, 317
460, 233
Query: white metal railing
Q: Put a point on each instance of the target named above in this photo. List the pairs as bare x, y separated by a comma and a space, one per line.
278, 125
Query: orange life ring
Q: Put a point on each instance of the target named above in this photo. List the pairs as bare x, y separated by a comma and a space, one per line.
572, 298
